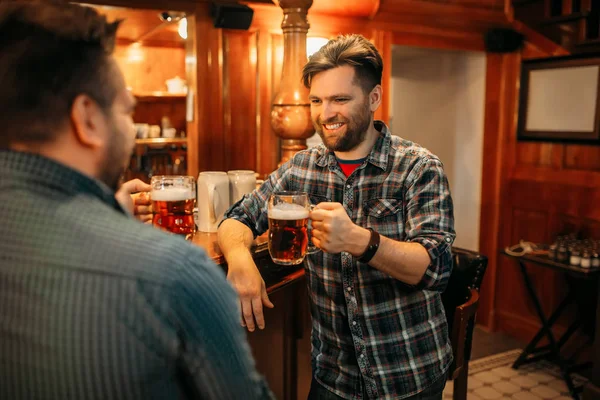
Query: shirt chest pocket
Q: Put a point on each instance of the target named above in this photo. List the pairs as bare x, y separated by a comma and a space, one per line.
386, 216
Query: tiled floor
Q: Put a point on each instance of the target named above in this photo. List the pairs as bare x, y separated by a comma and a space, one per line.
492, 378
486, 343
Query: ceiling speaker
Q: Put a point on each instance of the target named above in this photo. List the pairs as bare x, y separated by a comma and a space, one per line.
231, 16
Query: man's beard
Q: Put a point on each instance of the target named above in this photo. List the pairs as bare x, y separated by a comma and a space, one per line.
115, 158
356, 130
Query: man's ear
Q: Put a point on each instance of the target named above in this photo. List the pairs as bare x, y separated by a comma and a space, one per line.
88, 122
375, 98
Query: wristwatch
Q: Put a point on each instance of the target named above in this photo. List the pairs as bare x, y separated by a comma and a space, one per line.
371, 248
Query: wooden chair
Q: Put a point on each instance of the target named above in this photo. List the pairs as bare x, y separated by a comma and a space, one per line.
461, 300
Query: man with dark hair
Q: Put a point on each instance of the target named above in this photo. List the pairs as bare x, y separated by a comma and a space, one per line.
94, 304
384, 222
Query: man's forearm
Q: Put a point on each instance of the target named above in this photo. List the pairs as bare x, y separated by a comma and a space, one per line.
233, 236
404, 261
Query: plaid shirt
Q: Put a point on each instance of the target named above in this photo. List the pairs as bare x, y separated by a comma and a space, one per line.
370, 331
96, 305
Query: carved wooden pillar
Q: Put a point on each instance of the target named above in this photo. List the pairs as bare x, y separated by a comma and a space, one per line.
290, 113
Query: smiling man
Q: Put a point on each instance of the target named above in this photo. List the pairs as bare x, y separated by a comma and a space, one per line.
384, 222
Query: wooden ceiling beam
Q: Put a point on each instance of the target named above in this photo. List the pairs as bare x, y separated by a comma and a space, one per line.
419, 9
335, 8
173, 5
463, 20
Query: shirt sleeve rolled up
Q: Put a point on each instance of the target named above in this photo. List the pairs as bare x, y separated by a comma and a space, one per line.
430, 220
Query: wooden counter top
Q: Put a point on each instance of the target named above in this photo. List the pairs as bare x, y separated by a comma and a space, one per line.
208, 241
276, 277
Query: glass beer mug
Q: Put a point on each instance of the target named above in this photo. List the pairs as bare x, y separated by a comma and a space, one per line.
289, 240
173, 202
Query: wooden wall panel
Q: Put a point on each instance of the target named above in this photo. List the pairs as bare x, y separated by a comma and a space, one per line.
271, 63
145, 68
540, 154
581, 157
240, 99
143, 25
559, 156
515, 303
207, 153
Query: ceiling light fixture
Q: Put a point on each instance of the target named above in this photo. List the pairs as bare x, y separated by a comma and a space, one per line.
183, 28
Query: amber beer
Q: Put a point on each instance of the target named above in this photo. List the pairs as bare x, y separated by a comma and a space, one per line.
288, 233
173, 203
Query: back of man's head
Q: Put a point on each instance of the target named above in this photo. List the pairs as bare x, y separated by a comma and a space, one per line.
50, 52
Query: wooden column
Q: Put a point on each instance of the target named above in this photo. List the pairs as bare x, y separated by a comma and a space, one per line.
290, 112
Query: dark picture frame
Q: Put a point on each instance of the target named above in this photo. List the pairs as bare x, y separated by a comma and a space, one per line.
559, 100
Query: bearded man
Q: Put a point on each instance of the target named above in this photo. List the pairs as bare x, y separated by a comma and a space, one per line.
384, 222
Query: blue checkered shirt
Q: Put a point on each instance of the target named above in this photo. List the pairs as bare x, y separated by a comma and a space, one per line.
95, 305
370, 331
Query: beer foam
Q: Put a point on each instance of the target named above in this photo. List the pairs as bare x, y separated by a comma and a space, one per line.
287, 211
172, 194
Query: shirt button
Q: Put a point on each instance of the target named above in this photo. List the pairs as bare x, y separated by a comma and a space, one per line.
354, 323
362, 356
379, 212
348, 186
349, 289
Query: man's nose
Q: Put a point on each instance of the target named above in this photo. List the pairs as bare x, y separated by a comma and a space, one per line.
328, 112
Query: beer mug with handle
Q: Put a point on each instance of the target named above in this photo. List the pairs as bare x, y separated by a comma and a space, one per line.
289, 240
241, 182
173, 202
213, 199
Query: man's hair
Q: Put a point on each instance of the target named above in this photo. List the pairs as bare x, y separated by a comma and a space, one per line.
352, 50
51, 52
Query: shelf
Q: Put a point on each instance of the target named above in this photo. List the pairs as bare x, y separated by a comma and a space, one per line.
158, 96
161, 141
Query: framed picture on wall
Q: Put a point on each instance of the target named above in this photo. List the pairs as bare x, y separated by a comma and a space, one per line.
559, 100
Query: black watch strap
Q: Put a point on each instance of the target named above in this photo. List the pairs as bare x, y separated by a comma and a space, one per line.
371, 248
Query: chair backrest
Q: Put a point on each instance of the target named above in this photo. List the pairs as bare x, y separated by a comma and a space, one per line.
467, 273
469, 266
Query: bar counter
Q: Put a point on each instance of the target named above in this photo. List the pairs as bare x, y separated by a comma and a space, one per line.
276, 277
282, 349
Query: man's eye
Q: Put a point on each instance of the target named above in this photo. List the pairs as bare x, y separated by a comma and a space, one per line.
315, 101
341, 100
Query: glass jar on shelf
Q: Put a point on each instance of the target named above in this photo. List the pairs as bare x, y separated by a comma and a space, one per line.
575, 257
586, 259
